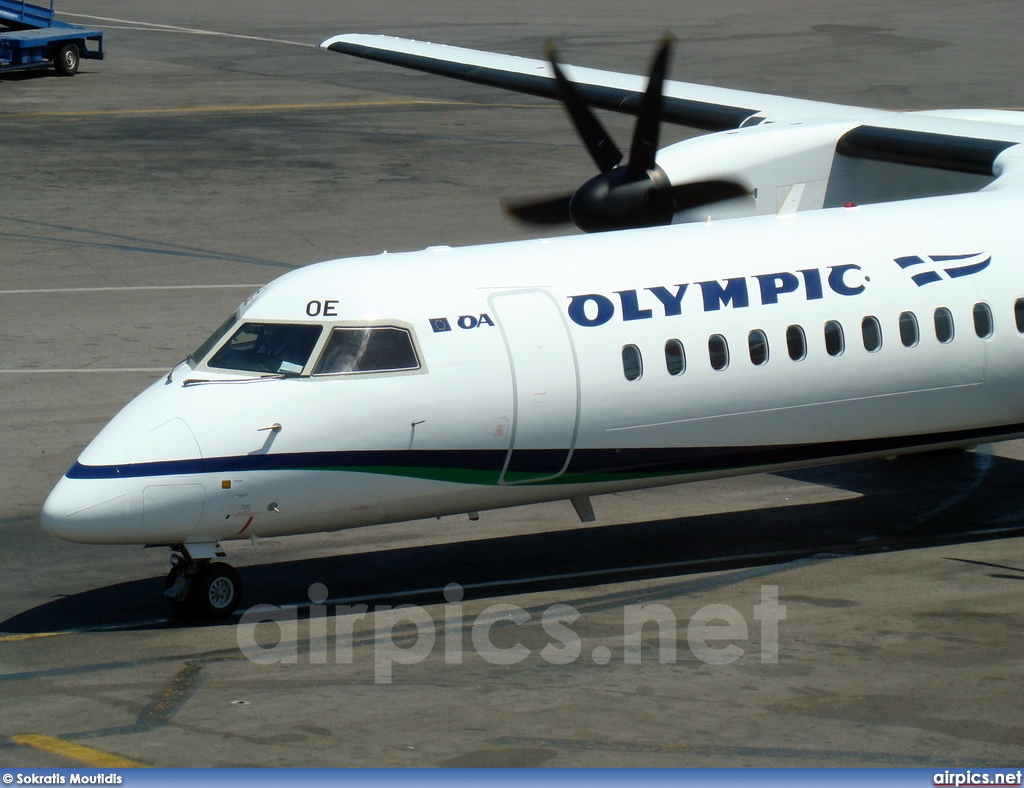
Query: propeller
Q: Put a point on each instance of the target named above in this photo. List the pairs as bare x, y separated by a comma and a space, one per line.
636, 194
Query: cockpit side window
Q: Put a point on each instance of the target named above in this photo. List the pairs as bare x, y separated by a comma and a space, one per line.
367, 349
274, 348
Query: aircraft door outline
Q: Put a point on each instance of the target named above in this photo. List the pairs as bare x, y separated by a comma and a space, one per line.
545, 385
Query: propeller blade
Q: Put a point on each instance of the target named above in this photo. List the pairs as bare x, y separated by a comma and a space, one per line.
693, 195
645, 135
552, 210
602, 148
636, 195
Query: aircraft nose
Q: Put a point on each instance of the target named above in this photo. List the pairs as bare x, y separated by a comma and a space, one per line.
96, 501
87, 510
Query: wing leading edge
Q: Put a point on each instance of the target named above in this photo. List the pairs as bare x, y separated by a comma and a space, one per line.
697, 106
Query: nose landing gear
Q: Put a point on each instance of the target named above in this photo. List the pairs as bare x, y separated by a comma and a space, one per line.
198, 587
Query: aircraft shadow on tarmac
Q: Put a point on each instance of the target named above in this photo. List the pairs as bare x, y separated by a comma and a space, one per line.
915, 501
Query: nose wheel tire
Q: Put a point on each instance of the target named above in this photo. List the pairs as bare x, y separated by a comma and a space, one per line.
214, 593
217, 591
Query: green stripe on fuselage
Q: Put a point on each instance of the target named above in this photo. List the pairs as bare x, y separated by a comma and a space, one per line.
484, 478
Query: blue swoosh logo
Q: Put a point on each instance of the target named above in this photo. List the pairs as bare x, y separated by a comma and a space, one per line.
939, 268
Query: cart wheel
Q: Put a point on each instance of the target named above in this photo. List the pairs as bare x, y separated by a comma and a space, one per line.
67, 60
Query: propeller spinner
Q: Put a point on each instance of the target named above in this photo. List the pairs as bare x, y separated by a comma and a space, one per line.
622, 196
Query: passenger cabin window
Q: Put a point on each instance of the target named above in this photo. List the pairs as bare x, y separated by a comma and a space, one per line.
675, 357
796, 343
944, 325
367, 349
835, 343
909, 334
718, 352
632, 363
270, 348
757, 344
871, 333
1018, 314
982, 320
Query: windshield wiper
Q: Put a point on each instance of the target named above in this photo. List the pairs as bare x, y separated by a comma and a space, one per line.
171, 371
276, 376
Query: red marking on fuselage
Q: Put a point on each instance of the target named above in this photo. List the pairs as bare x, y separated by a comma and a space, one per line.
247, 523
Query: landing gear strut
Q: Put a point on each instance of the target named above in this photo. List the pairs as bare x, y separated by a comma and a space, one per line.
198, 587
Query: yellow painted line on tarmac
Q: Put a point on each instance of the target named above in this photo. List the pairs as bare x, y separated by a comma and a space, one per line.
87, 756
229, 108
260, 108
30, 636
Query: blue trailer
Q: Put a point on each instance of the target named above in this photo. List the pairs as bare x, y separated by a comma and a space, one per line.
30, 37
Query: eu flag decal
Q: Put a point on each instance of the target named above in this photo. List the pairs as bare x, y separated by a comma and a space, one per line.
440, 324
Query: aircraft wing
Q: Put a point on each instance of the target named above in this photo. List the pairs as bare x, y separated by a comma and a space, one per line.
967, 141
698, 106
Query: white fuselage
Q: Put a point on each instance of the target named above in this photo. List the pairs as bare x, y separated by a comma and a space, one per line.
523, 353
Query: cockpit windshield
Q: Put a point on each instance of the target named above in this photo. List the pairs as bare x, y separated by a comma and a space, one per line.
274, 348
214, 340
